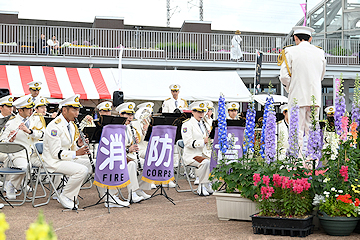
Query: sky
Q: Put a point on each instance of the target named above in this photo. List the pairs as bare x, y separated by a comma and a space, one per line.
277, 16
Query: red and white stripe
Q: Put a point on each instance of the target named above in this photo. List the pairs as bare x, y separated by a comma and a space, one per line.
60, 82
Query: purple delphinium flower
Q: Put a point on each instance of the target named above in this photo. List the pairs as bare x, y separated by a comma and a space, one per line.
249, 129
355, 111
222, 126
270, 137
269, 102
340, 106
293, 149
314, 145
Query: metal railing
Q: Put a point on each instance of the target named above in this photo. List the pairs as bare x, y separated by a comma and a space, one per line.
96, 42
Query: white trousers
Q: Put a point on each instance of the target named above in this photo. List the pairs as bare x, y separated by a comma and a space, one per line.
202, 171
77, 172
135, 181
21, 162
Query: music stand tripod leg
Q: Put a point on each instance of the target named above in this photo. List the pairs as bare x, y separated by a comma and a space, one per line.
107, 195
74, 208
163, 193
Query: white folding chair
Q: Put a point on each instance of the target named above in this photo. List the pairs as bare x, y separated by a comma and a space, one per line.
42, 172
9, 148
180, 145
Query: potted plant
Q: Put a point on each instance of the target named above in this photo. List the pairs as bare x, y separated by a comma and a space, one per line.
338, 203
284, 205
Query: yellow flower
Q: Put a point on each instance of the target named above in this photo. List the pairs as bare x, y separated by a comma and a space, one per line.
3, 226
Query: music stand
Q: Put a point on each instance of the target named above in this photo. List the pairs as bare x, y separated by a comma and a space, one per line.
163, 193
229, 122
74, 208
48, 120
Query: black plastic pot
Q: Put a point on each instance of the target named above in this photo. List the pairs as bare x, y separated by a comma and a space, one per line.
294, 227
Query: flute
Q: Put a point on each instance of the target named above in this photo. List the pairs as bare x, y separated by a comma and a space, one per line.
18, 128
82, 136
134, 140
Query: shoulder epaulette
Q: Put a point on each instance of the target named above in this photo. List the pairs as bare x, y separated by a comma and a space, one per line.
288, 46
37, 114
167, 99
183, 99
186, 120
318, 46
12, 117
58, 120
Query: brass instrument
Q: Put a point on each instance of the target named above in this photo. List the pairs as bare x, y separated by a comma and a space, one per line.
144, 116
82, 136
208, 145
134, 141
86, 123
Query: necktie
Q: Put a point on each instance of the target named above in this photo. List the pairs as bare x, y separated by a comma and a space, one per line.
68, 127
27, 124
176, 103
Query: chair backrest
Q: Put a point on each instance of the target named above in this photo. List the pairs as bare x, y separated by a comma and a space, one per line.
180, 143
39, 147
10, 147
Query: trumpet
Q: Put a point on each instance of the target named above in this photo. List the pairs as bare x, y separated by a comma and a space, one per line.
144, 116
82, 135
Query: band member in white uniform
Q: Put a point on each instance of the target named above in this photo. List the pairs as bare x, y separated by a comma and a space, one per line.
136, 187
302, 70
233, 110
37, 119
196, 153
209, 114
25, 136
170, 104
6, 106
282, 133
64, 151
34, 88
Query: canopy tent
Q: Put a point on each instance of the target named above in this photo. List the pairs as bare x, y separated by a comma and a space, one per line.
100, 83
261, 98
195, 85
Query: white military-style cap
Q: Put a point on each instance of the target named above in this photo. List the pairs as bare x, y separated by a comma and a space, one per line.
7, 100
232, 106
40, 101
127, 107
303, 30
199, 106
146, 104
209, 105
105, 106
174, 87
73, 101
24, 102
330, 110
284, 107
35, 85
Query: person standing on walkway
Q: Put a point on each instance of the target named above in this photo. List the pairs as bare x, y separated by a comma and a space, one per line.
302, 70
235, 52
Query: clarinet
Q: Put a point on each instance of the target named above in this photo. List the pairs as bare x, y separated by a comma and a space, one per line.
82, 136
134, 141
207, 133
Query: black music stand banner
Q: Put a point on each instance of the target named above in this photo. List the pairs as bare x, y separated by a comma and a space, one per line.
158, 165
111, 165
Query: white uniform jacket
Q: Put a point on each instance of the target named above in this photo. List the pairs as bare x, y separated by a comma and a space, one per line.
169, 105
58, 145
129, 138
193, 138
235, 51
23, 138
37, 122
282, 134
307, 65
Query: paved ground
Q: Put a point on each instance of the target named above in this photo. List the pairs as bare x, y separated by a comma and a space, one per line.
192, 217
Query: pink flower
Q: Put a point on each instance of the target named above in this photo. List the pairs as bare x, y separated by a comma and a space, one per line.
344, 127
344, 172
256, 178
277, 180
266, 180
256, 196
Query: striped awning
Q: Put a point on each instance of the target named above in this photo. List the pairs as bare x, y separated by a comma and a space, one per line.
60, 82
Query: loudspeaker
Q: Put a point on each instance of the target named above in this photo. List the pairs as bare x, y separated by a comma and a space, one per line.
4, 92
118, 98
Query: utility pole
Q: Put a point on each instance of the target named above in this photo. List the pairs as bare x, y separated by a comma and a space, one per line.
201, 9
168, 13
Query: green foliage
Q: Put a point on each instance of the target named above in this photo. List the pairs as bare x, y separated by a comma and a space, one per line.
180, 47
340, 51
336, 208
